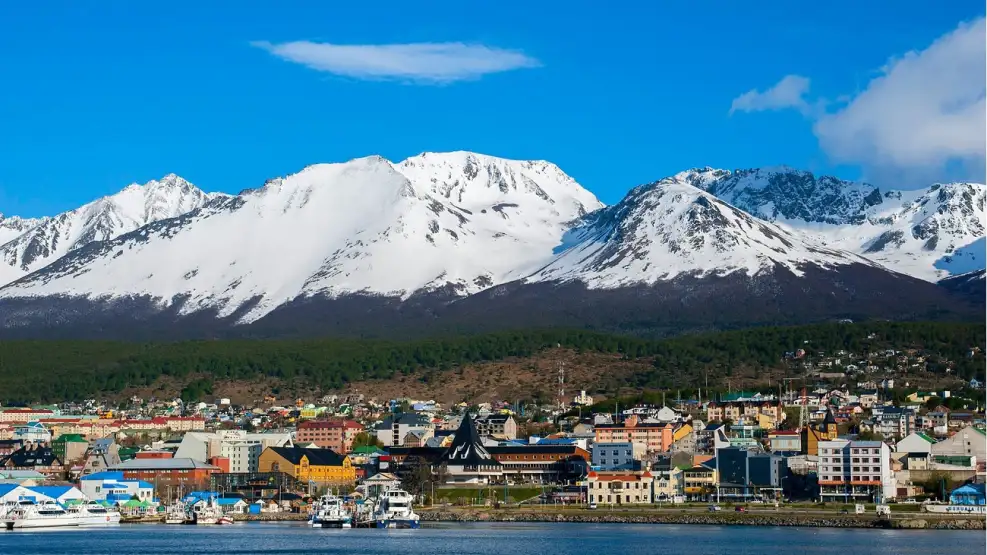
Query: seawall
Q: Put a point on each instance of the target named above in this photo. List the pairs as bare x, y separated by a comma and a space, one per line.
842, 521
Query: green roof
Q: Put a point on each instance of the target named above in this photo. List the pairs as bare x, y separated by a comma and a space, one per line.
981, 430
74, 438
367, 449
925, 437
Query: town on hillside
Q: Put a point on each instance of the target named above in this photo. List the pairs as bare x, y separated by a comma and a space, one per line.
861, 441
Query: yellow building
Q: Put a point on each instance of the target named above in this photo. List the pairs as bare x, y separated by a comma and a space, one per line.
322, 466
681, 432
812, 435
699, 482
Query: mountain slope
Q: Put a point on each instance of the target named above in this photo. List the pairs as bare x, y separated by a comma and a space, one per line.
12, 226
917, 232
671, 228
105, 218
457, 222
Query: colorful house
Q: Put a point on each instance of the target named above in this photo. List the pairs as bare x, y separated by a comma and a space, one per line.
321, 466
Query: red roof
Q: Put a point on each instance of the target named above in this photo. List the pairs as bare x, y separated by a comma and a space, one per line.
329, 424
28, 411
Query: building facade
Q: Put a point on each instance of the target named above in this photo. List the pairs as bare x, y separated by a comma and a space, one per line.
500, 426
620, 488
617, 456
855, 471
337, 435
318, 466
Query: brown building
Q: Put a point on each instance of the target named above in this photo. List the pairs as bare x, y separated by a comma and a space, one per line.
187, 474
813, 434
337, 435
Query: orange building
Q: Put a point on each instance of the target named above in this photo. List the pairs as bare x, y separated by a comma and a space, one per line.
337, 435
187, 474
656, 438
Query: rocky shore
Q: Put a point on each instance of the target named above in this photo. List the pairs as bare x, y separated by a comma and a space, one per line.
847, 521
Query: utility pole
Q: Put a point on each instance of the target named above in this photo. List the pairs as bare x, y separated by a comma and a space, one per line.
561, 385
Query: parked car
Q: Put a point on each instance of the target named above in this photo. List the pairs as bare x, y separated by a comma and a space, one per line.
740, 509
592, 506
714, 508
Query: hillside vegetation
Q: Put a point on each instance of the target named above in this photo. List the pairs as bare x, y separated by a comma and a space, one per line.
33, 371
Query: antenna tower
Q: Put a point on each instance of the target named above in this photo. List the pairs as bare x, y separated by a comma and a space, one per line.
561, 384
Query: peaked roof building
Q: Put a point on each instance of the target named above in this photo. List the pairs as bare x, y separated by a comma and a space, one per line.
466, 459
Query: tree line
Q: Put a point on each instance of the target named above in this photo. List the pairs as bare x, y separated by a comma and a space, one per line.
33, 371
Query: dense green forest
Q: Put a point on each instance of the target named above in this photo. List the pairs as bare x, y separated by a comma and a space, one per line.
70, 370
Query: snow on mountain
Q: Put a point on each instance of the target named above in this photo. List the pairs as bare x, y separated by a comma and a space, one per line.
456, 221
42, 241
671, 228
12, 226
926, 233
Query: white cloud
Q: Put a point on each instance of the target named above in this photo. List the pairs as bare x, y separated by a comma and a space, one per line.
435, 63
923, 115
788, 93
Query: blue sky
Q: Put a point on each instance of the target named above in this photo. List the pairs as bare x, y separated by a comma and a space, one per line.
94, 96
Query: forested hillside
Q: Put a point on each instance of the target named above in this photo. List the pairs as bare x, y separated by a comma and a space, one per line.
62, 370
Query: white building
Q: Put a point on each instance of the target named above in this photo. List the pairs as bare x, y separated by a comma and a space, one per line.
855, 470
969, 441
583, 399
32, 432
112, 487
241, 448
916, 442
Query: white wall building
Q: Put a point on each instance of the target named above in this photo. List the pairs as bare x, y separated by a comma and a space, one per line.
968, 441
112, 487
242, 448
916, 442
855, 470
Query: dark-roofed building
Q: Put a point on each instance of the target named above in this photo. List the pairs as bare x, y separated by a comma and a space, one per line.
467, 460
393, 429
321, 466
177, 473
500, 426
31, 456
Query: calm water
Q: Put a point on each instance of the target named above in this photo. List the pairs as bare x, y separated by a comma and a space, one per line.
492, 539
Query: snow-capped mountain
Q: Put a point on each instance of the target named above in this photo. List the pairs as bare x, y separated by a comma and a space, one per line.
927, 233
12, 226
671, 228
459, 222
44, 241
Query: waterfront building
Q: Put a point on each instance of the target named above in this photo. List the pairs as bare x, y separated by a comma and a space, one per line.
112, 487
855, 470
813, 434
655, 437
319, 466
620, 488
182, 474
393, 429
617, 456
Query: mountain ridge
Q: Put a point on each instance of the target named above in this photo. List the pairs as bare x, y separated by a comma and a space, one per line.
442, 240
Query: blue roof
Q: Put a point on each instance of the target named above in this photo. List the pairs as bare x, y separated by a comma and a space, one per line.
105, 475
7, 488
557, 441
52, 491
141, 484
225, 501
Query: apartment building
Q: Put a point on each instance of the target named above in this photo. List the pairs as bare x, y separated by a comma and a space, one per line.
500, 426
656, 438
337, 435
770, 413
855, 471
241, 448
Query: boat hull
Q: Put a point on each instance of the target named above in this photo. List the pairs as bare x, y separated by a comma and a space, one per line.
328, 523
99, 520
398, 524
27, 523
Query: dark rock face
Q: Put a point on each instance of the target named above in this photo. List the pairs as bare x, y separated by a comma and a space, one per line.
855, 292
973, 285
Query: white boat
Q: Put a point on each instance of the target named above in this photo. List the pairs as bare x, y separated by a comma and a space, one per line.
394, 510
47, 514
92, 513
176, 514
208, 513
329, 512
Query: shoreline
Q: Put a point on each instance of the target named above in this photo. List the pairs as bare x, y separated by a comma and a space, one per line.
919, 521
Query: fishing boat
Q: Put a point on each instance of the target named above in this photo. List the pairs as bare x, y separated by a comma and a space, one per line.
394, 510
329, 512
47, 514
176, 514
92, 513
209, 513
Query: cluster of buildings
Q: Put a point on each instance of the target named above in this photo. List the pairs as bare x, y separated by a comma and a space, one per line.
826, 444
